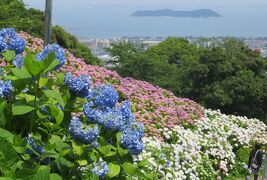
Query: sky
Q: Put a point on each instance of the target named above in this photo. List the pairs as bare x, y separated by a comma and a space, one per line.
154, 2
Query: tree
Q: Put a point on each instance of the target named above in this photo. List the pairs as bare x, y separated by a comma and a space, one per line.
227, 76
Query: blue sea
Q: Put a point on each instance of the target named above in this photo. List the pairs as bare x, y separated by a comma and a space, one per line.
97, 21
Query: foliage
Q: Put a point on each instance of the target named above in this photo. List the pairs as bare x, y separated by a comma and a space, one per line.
13, 13
41, 135
228, 76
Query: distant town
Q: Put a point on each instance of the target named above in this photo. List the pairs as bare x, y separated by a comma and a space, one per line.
98, 45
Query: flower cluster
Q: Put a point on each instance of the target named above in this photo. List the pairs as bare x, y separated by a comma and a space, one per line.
82, 132
78, 85
9, 40
206, 150
59, 52
101, 109
132, 140
18, 61
36, 151
104, 96
6, 89
100, 168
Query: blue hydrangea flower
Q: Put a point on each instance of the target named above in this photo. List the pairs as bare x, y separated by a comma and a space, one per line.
3, 45
8, 32
104, 96
132, 141
132, 138
10, 40
91, 113
37, 148
101, 168
83, 133
17, 44
135, 127
59, 51
126, 111
6, 89
44, 110
109, 118
37, 151
116, 118
78, 85
59, 107
95, 144
18, 61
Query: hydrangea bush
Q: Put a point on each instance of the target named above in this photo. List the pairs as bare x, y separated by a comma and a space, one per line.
153, 106
42, 133
205, 151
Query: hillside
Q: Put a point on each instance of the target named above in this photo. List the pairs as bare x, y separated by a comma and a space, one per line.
183, 141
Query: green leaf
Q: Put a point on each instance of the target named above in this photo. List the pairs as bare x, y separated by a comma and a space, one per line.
6, 134
129, 168
9, 55
59, 118
143, 163
65, 162
54, 64
6, 178
43, 82
93, 176
152, 175
118, 138
49, 63
105, 149
114, 170
2, 114
55, 176
32, 65
8, 155
27, 97
55, 95
56, 113
60, 78
122, 152
21, 73
20, 109
25, 173
111, 153
93, 155
77, 149
12, 78
82, 162
42, 173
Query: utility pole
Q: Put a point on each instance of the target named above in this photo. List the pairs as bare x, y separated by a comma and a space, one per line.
48, 21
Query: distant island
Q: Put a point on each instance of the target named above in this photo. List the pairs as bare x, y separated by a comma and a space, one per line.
199, 13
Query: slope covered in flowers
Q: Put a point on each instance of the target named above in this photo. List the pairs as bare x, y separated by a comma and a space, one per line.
153, 106
211, 148
214, 145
